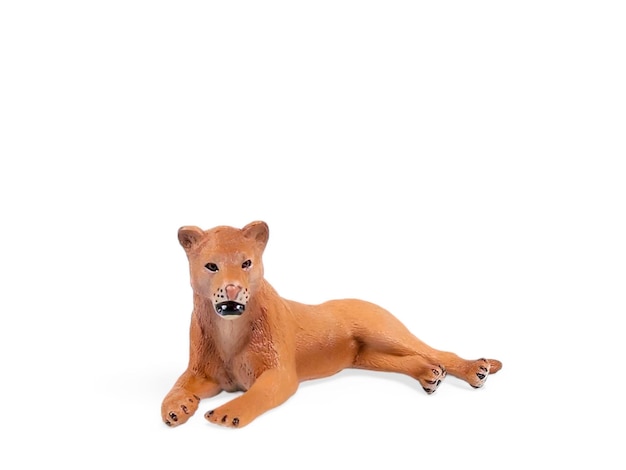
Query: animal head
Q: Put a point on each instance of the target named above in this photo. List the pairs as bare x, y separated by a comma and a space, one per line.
225, 264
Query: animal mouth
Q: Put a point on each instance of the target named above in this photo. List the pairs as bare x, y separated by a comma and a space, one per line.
229, 308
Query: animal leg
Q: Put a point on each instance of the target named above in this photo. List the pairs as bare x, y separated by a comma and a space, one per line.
183, 399
387, 344
396, 356
427, 373
474, 372
272, 388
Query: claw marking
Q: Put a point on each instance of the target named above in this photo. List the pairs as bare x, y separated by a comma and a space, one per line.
224, 418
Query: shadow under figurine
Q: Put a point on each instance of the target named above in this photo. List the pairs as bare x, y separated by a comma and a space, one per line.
245, 337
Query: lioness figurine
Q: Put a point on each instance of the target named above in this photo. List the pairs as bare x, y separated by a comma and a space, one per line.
245, 337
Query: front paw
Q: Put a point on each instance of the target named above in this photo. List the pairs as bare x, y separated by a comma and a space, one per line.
225, 416
178, 407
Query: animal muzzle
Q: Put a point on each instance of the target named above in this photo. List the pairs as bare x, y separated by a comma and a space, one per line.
229, 308
230, 300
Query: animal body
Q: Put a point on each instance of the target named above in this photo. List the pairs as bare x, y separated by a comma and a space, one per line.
245, 337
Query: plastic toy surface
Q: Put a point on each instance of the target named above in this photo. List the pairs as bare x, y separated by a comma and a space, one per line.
245, 337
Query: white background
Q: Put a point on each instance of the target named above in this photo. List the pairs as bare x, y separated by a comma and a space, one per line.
458, 163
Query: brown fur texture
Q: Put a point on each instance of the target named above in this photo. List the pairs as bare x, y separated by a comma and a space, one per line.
245, 337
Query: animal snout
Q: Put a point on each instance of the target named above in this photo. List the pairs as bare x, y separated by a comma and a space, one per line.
232, 291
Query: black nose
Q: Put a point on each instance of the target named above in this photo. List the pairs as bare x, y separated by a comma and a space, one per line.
229, 308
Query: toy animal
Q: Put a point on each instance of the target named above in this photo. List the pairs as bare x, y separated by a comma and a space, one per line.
245, 337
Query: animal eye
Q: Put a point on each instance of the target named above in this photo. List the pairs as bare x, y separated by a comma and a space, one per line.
246, 264
211, 267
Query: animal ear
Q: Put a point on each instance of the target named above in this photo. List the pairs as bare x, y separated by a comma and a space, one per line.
258, 231
188, 236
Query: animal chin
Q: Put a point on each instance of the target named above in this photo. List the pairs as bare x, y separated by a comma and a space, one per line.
229, 309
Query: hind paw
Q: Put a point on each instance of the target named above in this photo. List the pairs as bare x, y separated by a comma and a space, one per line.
431, 378
478, 372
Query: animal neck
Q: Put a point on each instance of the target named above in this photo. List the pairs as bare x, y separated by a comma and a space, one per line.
229, 336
